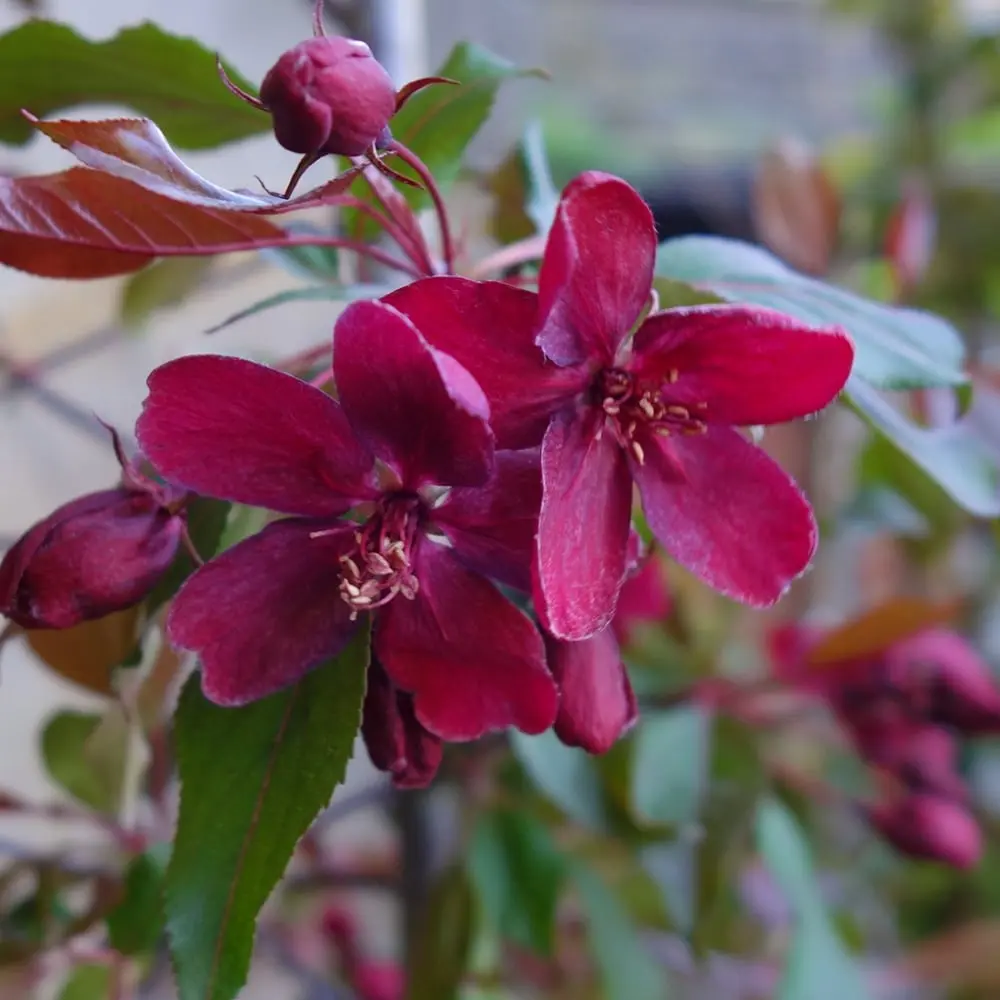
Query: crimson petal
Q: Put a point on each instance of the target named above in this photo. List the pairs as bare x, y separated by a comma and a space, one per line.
418, 409
727, 512
597, 704
266, 611
489, 328
492, 527
749, 365
473, 661
597, 271
233, 429
583, 529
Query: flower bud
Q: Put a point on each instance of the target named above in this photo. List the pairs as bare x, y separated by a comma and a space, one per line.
329, 95
396, 741
926, 826
99, 553
922, 757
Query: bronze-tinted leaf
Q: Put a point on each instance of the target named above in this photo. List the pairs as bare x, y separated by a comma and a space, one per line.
796, 208
88, 653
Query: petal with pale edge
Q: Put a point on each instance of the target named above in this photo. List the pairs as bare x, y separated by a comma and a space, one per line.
727, 512
396, 741
492, 527
489, 328
266, 611
583, 529
240, 431
418, 409
749, 365
597, 271
473, 662
596, 702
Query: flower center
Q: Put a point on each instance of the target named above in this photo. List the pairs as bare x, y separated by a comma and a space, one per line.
379, 567
632, 406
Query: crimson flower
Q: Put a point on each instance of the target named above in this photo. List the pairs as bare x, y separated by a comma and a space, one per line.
266, 611
657, 407
94, 555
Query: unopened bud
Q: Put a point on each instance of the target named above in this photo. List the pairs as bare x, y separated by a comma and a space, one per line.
927, 826
379, 981
329, 95
99, 553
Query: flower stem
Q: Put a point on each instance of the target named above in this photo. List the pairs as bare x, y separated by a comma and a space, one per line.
423, 172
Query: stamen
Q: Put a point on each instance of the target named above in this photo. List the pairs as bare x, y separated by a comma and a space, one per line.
379, 565
351, 589
673, 375
640, 455
646, 405
679, 411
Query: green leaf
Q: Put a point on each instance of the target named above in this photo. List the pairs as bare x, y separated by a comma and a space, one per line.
817, 967
206, 521
895, 348
86, 755
444, 949
670, 765
162, 285
242, 522
310, 262
136, 924
565, 774
627, 970
320, 293
46, 66
954, 456
541, 197
87, 982
518, 874
252, 780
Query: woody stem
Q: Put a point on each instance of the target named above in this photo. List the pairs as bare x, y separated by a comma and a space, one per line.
423, 172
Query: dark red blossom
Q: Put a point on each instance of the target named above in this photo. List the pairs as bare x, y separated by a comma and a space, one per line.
657, 408
94, 555
410, 424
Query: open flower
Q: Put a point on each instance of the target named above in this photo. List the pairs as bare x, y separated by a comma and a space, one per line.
280, 603
658, 408
94, 555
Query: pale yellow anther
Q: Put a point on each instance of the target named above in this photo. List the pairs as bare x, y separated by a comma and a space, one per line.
646, 405
361, 600
351, 589
379, 565
673, 375
664, 431
679, 411
351, 566
640, 455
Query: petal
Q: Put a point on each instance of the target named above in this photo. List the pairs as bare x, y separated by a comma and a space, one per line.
749, 365
597, 272
644, 599
596, 705
492, 528
583, 530
727, 512
396, 741
240, 431
266, 611
489, 328
419, 410
473, 661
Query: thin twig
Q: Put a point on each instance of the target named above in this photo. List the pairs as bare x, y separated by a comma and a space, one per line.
424, 173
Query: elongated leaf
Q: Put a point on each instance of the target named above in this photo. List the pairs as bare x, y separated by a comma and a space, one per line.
445, 947
518, 875
817, 967
135, 925
318, 293
138, 202
627, 970
896, 348
565, 774
252, 781
670, 765
46, 66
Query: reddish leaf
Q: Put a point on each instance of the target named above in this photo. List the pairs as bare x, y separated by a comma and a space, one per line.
139, 202
879, 628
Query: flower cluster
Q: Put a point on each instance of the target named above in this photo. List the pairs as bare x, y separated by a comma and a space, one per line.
469, 491
904, 710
